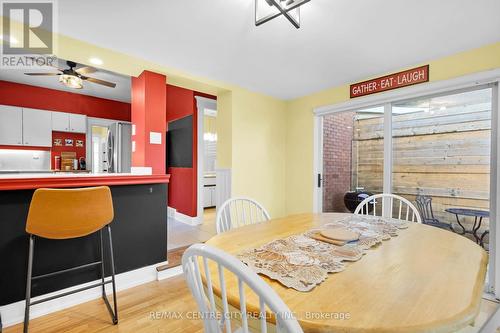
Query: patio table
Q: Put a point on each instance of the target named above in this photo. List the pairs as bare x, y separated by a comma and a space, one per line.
478, 219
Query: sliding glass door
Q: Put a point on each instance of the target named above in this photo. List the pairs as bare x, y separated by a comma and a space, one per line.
441, 153
353, 157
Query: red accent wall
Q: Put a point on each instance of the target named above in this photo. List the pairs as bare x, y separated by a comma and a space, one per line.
183, 188
57, 150
24, 95
148, 115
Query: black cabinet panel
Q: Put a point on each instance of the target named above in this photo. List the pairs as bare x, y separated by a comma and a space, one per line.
139, 232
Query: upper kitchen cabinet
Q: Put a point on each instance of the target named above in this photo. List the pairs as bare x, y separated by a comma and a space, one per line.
37, 128
11, 125
69, 122
77, 123
60, 121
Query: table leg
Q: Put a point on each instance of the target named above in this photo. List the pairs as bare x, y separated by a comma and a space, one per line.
482, 238
460, 224
475, 229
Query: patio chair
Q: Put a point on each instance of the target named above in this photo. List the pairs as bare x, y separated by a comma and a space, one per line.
424, 206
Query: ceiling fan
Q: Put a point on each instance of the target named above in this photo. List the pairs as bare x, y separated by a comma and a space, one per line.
73, 78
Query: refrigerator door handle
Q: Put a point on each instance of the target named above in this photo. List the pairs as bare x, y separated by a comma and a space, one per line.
110, 151
119, 148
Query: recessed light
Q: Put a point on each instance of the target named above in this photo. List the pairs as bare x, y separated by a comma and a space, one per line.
95, 61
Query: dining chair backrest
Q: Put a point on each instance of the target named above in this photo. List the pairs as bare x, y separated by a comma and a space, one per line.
424, 205
199, 263
389, 205
239, 211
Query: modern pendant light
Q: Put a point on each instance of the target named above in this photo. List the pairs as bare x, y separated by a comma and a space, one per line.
266, 10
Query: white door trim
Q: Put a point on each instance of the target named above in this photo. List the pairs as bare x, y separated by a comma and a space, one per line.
318, 165
493, 277
202, 103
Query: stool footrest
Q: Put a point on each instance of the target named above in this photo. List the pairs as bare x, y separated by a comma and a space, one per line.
71, 292
66, 270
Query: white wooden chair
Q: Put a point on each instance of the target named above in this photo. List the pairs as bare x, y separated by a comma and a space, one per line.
239, 211
215, 320
399, 207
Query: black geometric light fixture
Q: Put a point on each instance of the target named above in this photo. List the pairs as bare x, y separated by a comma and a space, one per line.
266, 10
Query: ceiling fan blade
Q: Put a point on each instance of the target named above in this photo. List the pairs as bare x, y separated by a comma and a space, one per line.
42, 74
102, 82
48, 65
86, 70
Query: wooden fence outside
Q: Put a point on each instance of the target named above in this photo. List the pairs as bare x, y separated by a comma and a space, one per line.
445, 155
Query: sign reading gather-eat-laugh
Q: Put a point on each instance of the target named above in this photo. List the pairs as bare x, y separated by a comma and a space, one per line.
392, 81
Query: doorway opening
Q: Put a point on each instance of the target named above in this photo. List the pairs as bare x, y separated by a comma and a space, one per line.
198, 229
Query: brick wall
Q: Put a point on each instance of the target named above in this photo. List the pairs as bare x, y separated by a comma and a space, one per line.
337, 149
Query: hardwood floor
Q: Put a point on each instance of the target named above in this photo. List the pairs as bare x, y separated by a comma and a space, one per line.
144, 309
136, 307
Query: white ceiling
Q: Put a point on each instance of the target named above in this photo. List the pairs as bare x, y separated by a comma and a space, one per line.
120, 93
340, 41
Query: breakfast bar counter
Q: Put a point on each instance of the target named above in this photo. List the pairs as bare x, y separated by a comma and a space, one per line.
139, 230
25, 181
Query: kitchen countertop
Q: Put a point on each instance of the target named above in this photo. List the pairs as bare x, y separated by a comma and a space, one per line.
23, 181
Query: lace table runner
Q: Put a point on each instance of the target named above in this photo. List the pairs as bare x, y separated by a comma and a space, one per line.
301, 262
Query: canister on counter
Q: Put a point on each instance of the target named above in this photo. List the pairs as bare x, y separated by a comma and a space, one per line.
57, 162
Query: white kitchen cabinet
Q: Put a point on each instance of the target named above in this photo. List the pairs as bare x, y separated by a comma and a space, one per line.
11, 125
37, 128
69, 122
208, 196
77, 123
60, 121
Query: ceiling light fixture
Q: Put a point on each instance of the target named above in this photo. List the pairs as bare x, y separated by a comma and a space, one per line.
71, 81
96, 61
266, 10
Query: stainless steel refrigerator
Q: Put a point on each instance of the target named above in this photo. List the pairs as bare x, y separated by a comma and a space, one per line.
119, 148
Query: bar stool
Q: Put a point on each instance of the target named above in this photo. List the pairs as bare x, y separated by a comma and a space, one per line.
65, 214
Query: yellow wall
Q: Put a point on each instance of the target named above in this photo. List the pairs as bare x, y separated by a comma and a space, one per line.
258, 149
224, 130
300, 127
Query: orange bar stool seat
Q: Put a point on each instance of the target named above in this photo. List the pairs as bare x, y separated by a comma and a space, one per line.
71, 213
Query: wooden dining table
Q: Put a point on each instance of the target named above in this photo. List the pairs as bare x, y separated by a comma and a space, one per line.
425, 279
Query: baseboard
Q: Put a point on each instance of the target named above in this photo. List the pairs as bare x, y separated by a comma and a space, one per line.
14, 313
170, 272
171, 212
193, 221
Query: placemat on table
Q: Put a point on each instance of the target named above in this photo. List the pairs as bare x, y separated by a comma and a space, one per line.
302, 262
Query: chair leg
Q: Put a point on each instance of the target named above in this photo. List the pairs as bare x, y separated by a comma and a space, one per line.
28, 283
101, 250
112, 312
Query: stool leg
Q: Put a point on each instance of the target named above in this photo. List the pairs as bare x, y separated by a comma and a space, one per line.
28, 283
101, 250
112, 256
